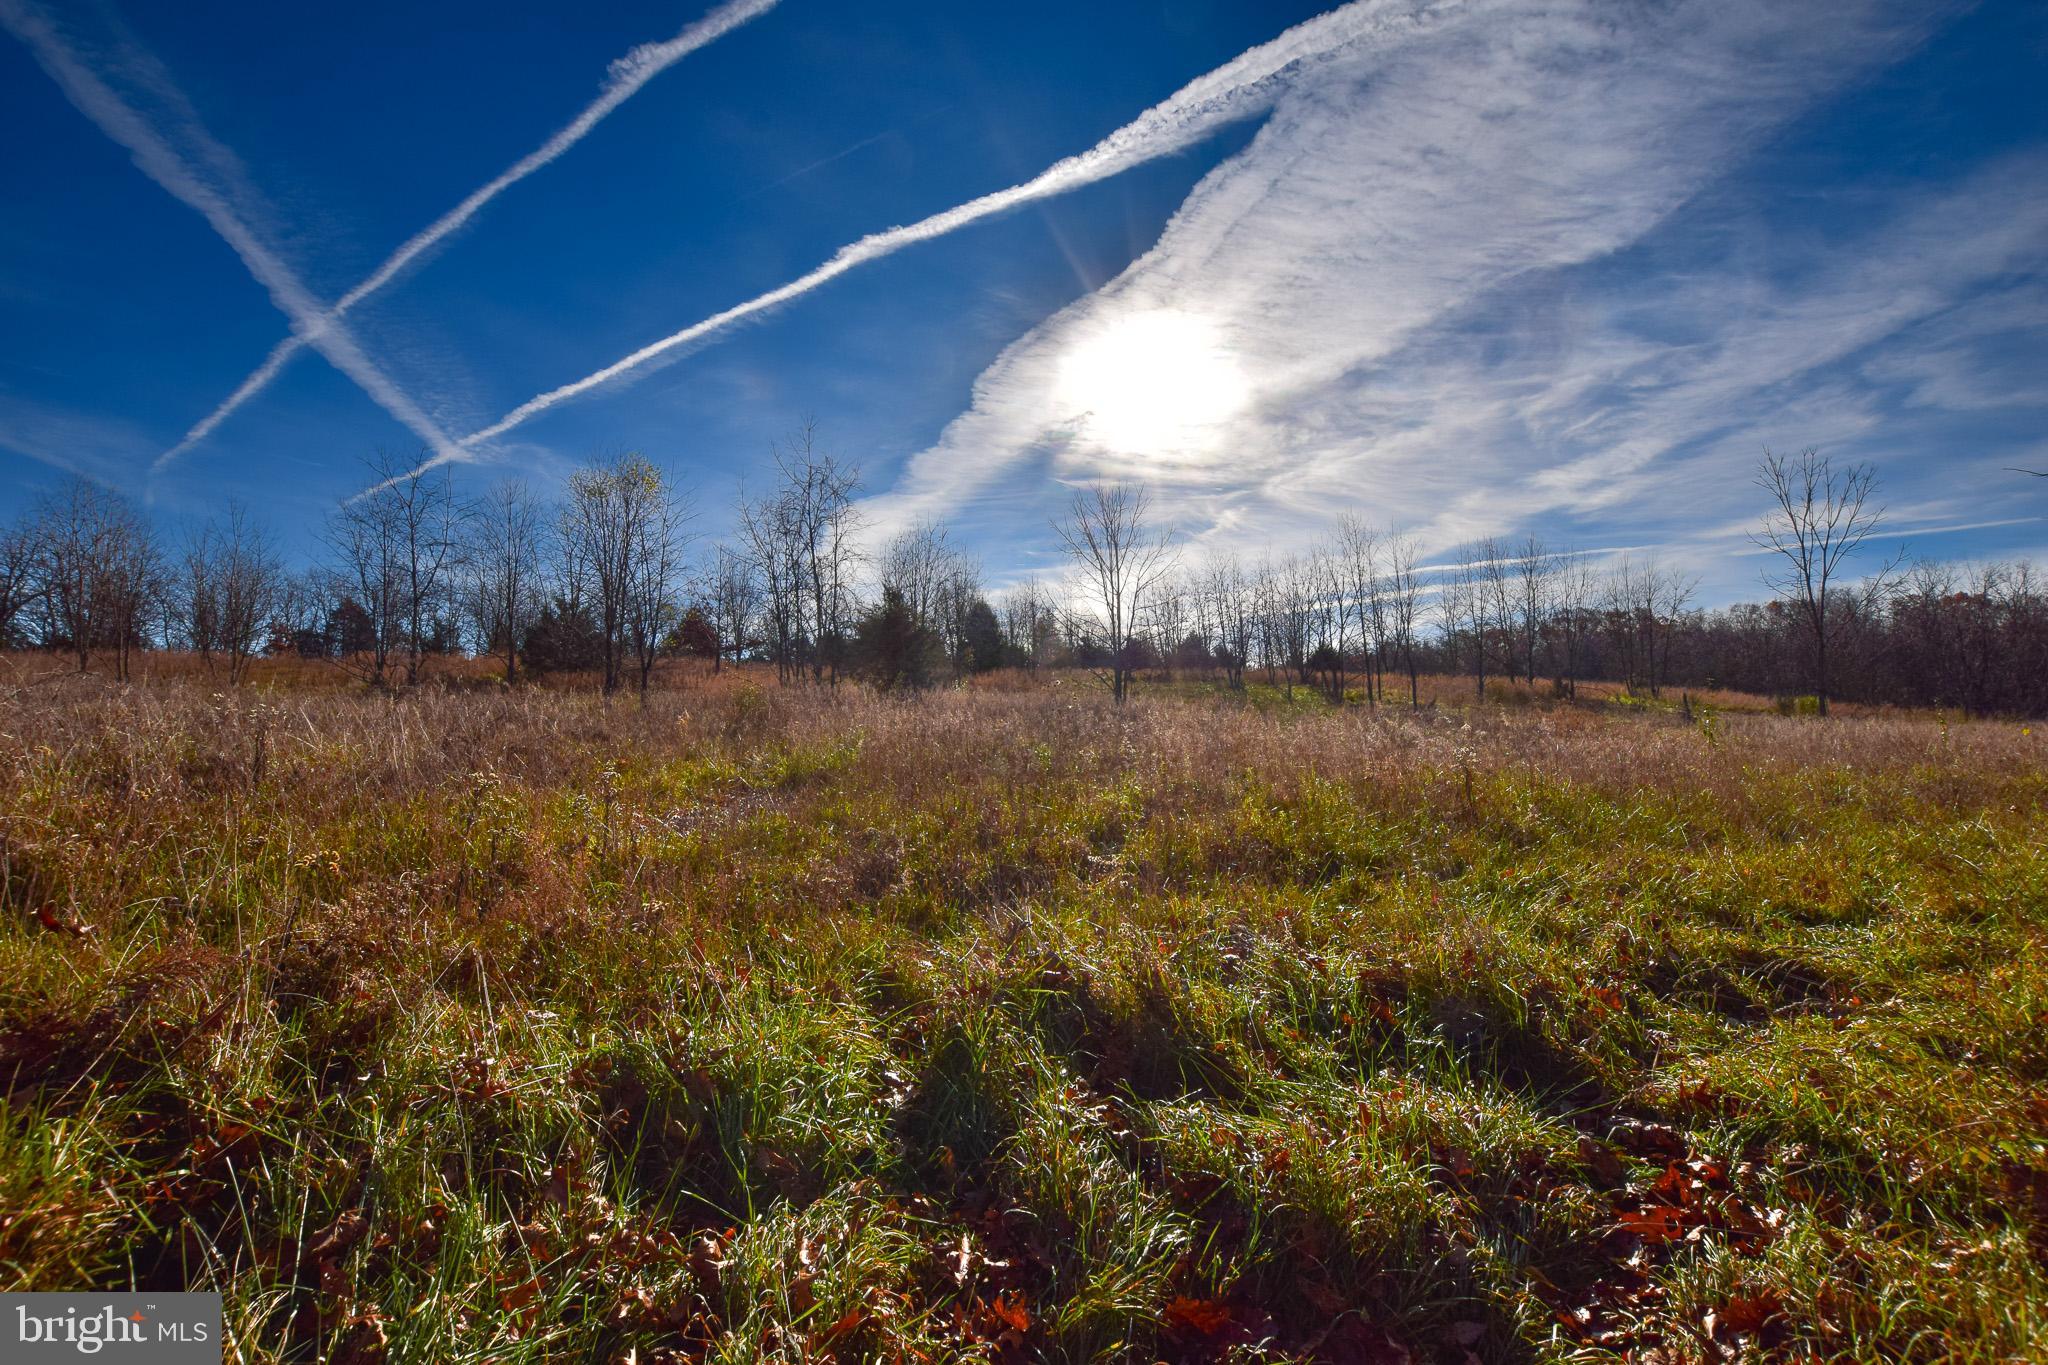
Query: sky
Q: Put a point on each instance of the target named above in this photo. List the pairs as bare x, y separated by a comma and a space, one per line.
1461, 267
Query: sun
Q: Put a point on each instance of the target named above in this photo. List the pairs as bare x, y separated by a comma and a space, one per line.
1157, 383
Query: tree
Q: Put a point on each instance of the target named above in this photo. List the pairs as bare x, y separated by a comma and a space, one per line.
397, 545
1404, 603
656, 541
562, 639
1536, 572
1227, 608
1644, 603
622, 536
892, 649
19, 588
981, 637
1121, 558
1464, 609
696, 636
1030, 625
1571, 608
232, 585
800, 537
1820, 516
506, 532
734, 594
99, 570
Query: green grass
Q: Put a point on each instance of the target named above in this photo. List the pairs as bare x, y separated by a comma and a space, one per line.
806, 1026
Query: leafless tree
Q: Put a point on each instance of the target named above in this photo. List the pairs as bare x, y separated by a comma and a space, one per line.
733, 591
1404, 607
801, 537
1572, 595
229, 591
1170, 618
1820, 515
1496, 578
1330, 617
1464, 609
398, 546
1535, 578
657, 537
1360, 550
99, 570
1122, 559
622, 536
937, 582
508, 528
1030, 625
1644, 603
19, 588
1229, 616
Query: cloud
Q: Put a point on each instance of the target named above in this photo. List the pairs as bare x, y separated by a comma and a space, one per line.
1240, 89
93, 445
628, 74
1397, 261
204, 175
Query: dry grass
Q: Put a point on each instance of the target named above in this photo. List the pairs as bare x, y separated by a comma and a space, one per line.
467, 1023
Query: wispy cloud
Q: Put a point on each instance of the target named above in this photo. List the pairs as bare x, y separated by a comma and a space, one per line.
204, 175
1403, 263
628, 74
97, 446
1246, 86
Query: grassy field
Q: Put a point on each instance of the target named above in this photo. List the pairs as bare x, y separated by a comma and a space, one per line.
1002, 1025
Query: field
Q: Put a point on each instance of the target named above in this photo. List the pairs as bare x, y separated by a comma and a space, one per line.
802, 1024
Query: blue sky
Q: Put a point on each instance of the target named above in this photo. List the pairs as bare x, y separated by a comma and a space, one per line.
1466, 268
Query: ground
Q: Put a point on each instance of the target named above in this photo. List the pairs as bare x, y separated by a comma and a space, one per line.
1001, 1023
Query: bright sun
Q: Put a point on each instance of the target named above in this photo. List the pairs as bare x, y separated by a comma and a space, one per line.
1155, 383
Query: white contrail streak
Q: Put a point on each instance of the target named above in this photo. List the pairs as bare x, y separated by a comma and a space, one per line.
628, 74
1243, 87
154, 156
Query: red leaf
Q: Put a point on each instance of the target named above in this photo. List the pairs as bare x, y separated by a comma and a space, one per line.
1206, 1317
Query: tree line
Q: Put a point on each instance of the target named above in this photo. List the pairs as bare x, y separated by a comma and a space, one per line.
609, 577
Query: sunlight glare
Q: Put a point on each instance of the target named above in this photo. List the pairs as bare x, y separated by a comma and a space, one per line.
1156, 383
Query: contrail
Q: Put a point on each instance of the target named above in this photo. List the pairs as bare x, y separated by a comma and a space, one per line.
154, 156
627, 75
1237, 90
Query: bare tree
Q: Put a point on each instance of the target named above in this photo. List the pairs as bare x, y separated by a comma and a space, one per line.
622, 538
1404, 607
1229, 614
733, 591
657, 536
1571, 609
1535, 576
507, 527
1821, 514
1464, 610
398, 546
230, 589
19, 587
1643, 604
1359, 550
99, 569
800, 536
1030, 624
1496, 589
937, 583
1122, 558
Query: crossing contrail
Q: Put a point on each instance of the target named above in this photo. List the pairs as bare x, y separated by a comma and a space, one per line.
628, 74
1239, 89
208, 182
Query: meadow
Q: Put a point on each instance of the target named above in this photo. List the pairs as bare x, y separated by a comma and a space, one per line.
1001, 1023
